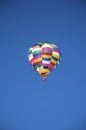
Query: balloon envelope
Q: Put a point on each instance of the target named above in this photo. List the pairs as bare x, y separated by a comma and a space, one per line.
44, 57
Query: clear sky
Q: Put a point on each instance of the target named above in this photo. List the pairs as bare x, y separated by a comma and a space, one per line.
26, 103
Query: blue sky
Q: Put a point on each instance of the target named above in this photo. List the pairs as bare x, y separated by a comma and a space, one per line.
26, 103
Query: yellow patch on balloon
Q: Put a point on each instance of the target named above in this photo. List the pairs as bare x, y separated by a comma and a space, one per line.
54, 61
56, 56
46, 56
38, 60
44, 71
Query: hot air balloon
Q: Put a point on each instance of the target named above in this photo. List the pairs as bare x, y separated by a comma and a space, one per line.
44, 57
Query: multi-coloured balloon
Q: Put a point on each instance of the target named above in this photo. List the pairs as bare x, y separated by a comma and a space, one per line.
44, 57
